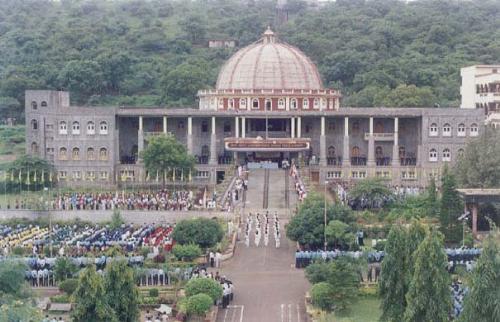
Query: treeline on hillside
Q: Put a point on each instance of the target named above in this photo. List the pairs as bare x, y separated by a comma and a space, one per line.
136, 52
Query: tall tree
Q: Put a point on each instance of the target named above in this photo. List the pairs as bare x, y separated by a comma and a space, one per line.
121, 291
90, 297
394, 274
450, 207
478, 166
432, 198
416, 234
428, 298
483, 301
164, 154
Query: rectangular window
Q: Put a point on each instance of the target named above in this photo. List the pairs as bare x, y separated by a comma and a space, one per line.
77, 175
103, 175
63, 175
202, 174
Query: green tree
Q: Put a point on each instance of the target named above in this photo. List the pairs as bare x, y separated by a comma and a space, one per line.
195, 28
121, 291
18, 311
307, 227
115, 68
12, 281
483, 301
416, 234
339, 234
371, 190
187, 252
183, 82
164, 154
91, 303
394, 275
410, 96
64, 268
36, 168
450, 207
322, 296
199, 304
116, 219
432, 198
83, 78
428, 297
203, 232
477, 166
10, 107
204, 286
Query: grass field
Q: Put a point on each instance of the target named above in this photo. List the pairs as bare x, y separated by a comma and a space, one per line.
366, 309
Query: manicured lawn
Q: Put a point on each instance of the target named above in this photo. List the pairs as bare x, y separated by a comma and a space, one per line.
366, 309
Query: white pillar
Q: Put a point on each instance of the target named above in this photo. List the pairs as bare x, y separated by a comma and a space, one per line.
213, 145
165, 124
236, 127
371, 146
140, 123
299, 127
243, 127
190, 135
395, 147
322, 143
140, 138
346, 158
292, 127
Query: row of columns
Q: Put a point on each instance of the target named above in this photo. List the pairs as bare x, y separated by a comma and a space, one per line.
371, 161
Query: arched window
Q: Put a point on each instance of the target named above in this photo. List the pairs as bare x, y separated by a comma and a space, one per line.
204, 126
103, 127
433, 155
433, 130
34, 148
255, 103
447, 129
461, 129
355, 152
75, 155
230, 104
446, 155
305, 103
331, 151
63, 128
316, 103
34, 105
205, 151
281, 103
63, 154
103, 154
243, 103
75, 129
34, 124
221, 103
293, 104
474, 130
90, 154
460, 152
227, 126
379, 152
323, 103
90, 128
43, 104
269, 105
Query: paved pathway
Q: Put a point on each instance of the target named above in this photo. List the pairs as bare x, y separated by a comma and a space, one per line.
267, 286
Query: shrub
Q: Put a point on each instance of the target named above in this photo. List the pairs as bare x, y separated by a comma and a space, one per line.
116, 219
154, 292
68, 286
62, 298
199, 304
322, 296
204, 286
186, 252
64, 268
18, 251
203, 232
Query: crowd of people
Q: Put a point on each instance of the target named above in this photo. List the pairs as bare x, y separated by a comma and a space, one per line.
304, 258
462, 257
361, 203
262, 229
458, 293
300, 188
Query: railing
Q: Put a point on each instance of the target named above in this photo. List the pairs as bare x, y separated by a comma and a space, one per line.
156, 133
358, 161
334, 161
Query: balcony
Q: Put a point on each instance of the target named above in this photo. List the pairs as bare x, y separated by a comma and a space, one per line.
358, 161
380, 136
155, 133
334, 161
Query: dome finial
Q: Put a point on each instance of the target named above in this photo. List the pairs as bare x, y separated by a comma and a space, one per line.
268, 36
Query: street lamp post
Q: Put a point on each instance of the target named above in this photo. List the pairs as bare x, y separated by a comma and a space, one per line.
324, 231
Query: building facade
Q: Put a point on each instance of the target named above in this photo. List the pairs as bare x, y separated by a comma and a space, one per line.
269, 104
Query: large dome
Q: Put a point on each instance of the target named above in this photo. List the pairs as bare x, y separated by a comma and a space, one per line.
269, 64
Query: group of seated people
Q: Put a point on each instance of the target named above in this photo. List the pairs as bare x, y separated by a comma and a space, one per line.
79, 240
304, 258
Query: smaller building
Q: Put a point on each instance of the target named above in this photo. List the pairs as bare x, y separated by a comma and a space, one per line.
222, 43
481, 87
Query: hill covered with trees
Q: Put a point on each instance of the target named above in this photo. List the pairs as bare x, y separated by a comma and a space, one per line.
138, 52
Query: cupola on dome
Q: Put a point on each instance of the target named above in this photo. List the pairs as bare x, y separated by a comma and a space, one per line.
269, 64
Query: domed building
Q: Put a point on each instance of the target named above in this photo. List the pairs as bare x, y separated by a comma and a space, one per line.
269, 75
268, 105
